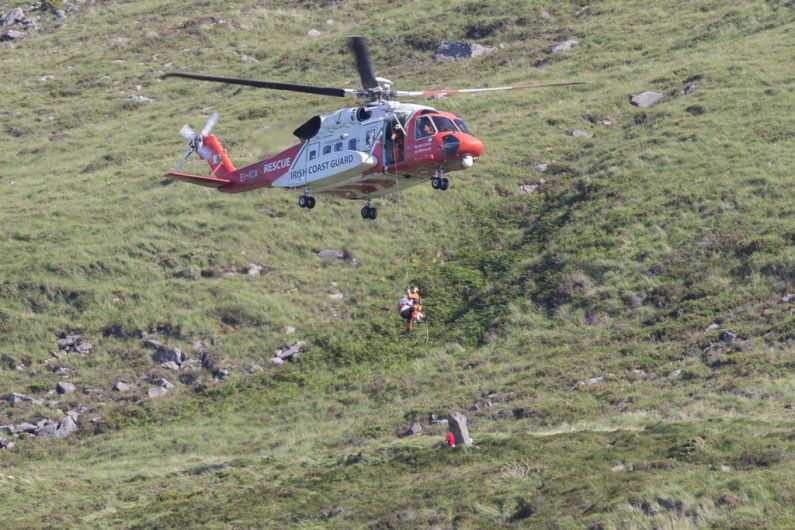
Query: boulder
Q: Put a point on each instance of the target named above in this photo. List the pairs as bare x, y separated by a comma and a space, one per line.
290, 352
336, 297
581, 133
68, 342
712, 327
65, 388
152, 343
25, 427
314, 33
121, 386
14, 16
415, 429
163, 383
564, 46
727, 336
330, 254
456, 50
646, 99
277, 361
6, 444
171, 365
458, 426
92, 392
156, 392
66, 427
165, 354
254, 269
12, 34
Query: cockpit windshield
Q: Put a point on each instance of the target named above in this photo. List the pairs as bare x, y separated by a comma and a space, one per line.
443, 124
462, 126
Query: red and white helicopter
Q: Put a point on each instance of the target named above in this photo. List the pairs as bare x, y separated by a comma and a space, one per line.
355, 153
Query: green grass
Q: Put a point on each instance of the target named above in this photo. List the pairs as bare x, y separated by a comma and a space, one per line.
670, 219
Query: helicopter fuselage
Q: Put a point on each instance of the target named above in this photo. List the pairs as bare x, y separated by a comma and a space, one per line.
358, 152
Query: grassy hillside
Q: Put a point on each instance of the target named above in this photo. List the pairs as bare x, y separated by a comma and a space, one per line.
572, 324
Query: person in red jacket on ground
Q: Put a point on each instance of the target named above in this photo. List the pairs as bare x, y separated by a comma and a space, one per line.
450, 439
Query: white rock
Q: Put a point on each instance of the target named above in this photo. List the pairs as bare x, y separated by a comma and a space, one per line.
646, 99
313, 33
565, 46
618, 468
712, 327
336, 296
289, 330
581, 133
121, 386
156, 392
65, 388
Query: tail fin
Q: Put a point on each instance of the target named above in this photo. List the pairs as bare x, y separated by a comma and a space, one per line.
214, 154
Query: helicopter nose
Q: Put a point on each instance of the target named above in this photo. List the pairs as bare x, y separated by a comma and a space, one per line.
471, 146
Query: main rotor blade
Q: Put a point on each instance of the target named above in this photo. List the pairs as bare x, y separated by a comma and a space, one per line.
363, 62
472, 90
187, 132
307, 89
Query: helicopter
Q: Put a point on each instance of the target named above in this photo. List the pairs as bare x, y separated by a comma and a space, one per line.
379, 147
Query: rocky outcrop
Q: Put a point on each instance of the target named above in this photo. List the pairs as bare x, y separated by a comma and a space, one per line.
456, 50
457, 423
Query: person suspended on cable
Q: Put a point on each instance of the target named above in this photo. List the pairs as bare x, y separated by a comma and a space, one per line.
412, 312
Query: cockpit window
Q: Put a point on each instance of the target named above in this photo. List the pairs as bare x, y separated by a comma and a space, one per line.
424, 127
443, 124
462, 126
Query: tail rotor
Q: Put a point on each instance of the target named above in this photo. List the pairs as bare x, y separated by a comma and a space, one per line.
195, 141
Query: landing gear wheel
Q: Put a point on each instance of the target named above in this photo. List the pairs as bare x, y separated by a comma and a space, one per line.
302, 200
310, 202
369, 212
436, 183
444, 184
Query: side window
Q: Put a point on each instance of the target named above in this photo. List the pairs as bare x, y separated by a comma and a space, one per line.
424, 128
352, 144
338, 146
326, 149
369, 138
312, 151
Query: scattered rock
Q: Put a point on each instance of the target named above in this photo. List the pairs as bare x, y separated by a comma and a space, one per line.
152, 343
689, 89
540, 63
14, 16
336, 297
330, 254
254, 269
596, 380
255, 368
25, 427
646, 99
65, 388
727, 336
352, 458
163, 383
330, 22
618, 468
725, 468
456, 50
458, 426
92, 392
198, 346
415, 429
68, 342
60, 429
289, 330
564, 46
165, 354
314, 33
608, 121
15, 397
787, 298
220, 375
73, 414
528, 189
674, 374
140, 99
121, 386
60, 354
581, 133
291, 352
6, 444
541, 167
434, 419
712, 327
277, 361
171, 365
186, 379
245, 58
156, 392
